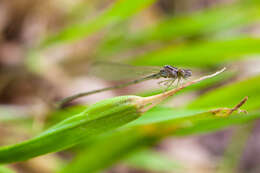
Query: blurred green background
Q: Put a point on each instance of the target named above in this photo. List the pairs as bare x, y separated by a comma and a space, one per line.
46, 50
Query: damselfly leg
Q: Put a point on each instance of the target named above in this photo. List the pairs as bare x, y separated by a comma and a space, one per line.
178, 82
164, 82
169, 84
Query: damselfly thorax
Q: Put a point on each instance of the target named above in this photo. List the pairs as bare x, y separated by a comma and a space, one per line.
173, 74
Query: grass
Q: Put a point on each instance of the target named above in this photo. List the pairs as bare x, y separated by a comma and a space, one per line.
125, 128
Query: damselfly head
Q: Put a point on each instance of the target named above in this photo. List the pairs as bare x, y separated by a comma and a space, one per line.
184, 73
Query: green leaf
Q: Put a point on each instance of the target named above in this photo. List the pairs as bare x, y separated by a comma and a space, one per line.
201, 54
209, 21
121, 10
202, 22
98, 118
106, 151
4, 169
228, 95
210, 124
202, 122
61, 114
162, 114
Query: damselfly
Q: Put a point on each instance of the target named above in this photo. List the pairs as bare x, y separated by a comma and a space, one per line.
168, 72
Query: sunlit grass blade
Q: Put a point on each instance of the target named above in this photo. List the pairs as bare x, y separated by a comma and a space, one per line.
210, 21
121, 10
198, 122
98, 118
229, 94
4, 169
202, 22
110, 149
117, 144
61, 114
211, 125
201, 54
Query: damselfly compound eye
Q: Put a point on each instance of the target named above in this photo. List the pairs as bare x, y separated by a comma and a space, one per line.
187, 73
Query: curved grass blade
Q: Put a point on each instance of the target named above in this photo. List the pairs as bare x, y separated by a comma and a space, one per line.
98, 118
204, 22
4, 169
101, 158
110, 149
201, 54
229, 94
121, 10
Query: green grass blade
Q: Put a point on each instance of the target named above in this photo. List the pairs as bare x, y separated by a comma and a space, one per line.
201, 23
201, 54
121, 10
104, 152
4, 169
57, 116
211, 125
210, 21
229, 94
98, 118
110, 149
197, 123
162, 114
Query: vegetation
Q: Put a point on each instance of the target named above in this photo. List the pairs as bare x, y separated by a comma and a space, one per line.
125, 129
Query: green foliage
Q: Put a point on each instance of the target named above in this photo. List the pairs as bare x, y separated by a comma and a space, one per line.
5, 170
111, 148
98, 118
113, 130
226, 95
121, 10
206, 22
117, 144
201, 54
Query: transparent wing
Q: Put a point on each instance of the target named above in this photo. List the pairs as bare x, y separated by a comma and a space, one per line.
117, 71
